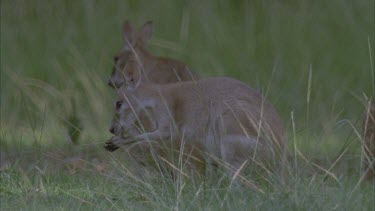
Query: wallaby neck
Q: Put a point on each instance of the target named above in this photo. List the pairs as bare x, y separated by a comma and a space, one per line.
148, 59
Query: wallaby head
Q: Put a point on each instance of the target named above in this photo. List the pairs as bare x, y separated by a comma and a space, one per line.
129, 60
133, 114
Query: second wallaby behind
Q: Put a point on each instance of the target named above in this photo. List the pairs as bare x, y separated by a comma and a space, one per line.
134, 61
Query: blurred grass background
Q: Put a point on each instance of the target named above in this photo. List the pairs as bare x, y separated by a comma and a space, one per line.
56, 58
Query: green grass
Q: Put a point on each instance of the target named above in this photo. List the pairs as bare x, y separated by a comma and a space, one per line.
311, 58
50, 183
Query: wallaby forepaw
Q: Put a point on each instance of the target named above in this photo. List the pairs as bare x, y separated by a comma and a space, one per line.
110, 146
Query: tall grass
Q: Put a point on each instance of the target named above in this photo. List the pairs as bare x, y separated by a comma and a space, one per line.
313, 59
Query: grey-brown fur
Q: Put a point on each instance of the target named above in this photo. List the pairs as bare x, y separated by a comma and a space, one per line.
369, 140
219, 116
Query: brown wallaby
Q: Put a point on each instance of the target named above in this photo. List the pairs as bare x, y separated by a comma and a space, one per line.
219, 117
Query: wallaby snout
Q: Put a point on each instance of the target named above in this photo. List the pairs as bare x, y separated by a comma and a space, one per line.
110, 83
115, 127
112, 130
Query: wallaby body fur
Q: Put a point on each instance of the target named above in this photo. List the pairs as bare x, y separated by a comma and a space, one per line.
219, 117
369, 140
134, 61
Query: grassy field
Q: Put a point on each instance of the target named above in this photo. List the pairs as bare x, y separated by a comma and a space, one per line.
313, 59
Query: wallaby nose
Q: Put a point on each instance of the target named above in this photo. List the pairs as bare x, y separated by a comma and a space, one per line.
112, 130
110, 83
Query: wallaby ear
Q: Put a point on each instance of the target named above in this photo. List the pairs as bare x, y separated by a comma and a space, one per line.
145, 33
128, 32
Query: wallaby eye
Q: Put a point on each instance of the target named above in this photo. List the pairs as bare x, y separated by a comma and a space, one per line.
116, 58
118, 104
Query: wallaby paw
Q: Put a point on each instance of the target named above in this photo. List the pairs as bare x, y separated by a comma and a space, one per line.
110, 146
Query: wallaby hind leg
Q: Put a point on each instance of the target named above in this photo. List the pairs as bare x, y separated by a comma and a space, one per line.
237, 151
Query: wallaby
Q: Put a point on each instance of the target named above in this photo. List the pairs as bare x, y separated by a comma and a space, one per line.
221, 117
369, 140
134, 60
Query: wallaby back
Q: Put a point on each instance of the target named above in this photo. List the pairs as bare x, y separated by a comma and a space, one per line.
222, 97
